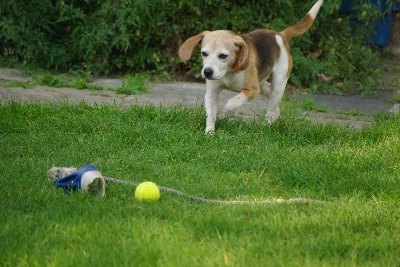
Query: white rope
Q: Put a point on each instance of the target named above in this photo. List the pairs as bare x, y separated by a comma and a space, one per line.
60, 172
220, 202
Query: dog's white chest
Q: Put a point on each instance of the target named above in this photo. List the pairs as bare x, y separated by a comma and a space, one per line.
233, 81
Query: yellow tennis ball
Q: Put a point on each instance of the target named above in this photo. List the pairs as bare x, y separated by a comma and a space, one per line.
147, 191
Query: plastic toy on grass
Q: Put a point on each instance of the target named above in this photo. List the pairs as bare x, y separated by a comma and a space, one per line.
86, 178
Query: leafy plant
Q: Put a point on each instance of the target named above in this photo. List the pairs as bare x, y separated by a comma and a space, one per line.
125, 36
368, 11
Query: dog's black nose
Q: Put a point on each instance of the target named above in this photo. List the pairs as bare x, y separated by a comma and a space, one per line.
208, 72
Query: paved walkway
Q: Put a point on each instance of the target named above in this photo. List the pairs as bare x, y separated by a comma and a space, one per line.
192, 94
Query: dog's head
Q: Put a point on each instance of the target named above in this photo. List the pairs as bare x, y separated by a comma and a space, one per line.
222, 52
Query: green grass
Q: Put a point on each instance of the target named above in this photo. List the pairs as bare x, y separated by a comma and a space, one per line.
58, 81
308, 104
78, 82
394, 99
133, 84
21, 84
358, 171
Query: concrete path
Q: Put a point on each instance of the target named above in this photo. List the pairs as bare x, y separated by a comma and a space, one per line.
192, 94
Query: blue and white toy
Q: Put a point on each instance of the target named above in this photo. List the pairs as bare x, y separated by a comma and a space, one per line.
86, 178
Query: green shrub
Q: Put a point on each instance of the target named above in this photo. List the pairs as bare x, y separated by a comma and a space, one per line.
131, 36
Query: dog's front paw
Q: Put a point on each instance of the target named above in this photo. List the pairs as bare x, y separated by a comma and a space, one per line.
271, 117
230, 113
210, 130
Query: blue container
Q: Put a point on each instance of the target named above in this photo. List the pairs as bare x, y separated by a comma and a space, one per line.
380, 34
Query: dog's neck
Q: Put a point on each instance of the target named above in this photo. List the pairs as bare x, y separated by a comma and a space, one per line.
236, 66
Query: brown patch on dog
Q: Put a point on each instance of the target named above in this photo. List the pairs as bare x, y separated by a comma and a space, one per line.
186, 49
242, 57
299, 28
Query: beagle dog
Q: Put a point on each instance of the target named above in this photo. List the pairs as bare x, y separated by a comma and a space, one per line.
243, 63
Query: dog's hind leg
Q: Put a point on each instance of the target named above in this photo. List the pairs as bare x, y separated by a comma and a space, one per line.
265, 89
278, 87
280, 76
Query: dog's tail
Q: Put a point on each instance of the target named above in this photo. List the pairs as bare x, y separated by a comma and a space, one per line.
303, 25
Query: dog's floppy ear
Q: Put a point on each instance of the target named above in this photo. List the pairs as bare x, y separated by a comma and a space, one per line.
186, 49
242, 57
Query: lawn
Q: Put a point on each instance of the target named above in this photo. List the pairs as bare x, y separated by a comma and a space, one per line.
358, 172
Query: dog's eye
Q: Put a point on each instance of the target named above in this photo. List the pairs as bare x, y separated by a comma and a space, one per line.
222, 56
204, 54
